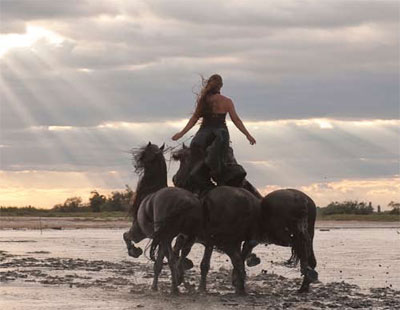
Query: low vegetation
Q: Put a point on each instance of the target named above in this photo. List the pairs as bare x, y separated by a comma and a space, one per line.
99, 206
358, 211
116, 206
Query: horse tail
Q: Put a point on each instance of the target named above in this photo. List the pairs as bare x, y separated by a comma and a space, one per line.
162, 231
301, 237
154, 247
299, 242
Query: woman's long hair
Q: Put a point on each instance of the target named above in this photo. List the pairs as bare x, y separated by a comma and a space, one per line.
209, 87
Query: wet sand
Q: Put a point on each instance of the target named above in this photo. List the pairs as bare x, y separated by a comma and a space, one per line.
89, 268
100, 284
32, 222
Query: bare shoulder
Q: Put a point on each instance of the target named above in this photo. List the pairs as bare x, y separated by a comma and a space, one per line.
224, 98
225, 101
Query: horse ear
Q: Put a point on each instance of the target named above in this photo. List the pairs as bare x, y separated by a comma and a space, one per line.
162, 147
149, 143
184, 146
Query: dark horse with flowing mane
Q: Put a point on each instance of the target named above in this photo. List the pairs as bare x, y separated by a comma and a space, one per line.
229, 217
287, 219
161, 213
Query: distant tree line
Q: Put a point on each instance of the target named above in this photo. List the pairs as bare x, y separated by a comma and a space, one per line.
117, 201
356, 207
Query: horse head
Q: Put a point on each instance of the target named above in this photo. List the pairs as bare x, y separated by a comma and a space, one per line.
148, 157
180, 179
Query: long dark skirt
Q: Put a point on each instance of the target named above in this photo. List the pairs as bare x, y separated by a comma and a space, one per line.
212, 159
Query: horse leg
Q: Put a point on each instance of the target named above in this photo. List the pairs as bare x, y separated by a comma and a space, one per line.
183, 262
205, 266
251, 258
312, 214
238, 272
312, 260
172, 262
291, 262
186, 262
158, 264
179, 243
182, 247
133, 234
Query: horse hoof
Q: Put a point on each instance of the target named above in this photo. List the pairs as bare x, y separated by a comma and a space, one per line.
135, 252
180, 279
202, 289
253, 260
187, 264
174, 291
241, 292
154, 288
303, 290
312, 275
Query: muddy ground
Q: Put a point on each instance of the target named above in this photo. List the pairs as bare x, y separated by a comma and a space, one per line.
126, 285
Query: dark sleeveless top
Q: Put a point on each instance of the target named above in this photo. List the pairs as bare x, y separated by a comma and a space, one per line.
214, 120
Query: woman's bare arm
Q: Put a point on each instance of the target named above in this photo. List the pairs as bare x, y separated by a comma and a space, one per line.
238, 122
192, 121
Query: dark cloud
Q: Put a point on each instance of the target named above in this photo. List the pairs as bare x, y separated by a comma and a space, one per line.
320, 14
16, 12
283, 14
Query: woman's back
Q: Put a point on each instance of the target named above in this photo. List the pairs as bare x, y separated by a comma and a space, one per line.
216, 112
218, 104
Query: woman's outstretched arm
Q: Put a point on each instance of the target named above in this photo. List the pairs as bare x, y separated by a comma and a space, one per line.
238, 122
192, 121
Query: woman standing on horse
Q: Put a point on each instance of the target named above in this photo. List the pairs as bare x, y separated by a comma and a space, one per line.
211, 155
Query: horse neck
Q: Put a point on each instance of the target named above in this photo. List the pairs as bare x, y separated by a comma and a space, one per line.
152, 180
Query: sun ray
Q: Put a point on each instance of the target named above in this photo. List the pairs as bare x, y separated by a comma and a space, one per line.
67, 144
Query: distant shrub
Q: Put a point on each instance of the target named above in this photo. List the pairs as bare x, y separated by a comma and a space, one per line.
395, 206
96, 201
73, 204
118, 201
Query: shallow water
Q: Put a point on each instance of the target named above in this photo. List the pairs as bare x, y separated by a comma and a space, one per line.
366, 257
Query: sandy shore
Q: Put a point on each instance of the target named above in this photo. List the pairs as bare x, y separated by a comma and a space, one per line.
25, 222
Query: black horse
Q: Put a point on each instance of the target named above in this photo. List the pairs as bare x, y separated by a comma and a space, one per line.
229, 218
287, 219
161, 213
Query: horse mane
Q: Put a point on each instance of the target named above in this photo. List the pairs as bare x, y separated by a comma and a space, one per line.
138, 159
149, 180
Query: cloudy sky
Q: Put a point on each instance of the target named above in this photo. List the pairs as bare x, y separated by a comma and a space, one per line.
83, 81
